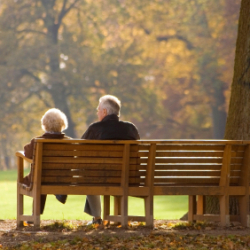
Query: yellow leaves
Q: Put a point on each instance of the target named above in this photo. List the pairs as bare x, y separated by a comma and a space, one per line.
221, 62
25, 224
113, 73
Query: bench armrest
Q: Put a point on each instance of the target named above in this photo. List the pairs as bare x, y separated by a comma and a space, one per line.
21, 154
21, 158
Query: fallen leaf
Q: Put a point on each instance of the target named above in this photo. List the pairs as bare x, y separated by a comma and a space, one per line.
105, 222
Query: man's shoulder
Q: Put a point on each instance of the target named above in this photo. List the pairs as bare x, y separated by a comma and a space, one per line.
95, 125
128, 123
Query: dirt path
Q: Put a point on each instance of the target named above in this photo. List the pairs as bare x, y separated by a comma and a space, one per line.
59, 230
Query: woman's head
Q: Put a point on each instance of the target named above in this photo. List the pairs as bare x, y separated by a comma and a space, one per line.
54, 120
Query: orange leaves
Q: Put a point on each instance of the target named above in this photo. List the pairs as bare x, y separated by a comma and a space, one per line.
105, 222
25, 224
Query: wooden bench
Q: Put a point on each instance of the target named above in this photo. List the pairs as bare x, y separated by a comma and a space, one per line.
195, 168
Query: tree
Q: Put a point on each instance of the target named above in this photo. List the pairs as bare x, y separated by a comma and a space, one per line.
168, 61
238, 119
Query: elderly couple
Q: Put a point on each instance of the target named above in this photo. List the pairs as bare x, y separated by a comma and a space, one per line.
107, 128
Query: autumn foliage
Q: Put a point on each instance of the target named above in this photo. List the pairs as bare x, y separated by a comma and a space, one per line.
170, 63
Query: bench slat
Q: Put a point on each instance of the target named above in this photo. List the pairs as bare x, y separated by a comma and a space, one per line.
87, 173
85, 180
188, 167
190, 147
185, 160
96, 166
85, 160
82, 147
114, 154
185, 173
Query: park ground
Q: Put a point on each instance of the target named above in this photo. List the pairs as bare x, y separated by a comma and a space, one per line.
166, 234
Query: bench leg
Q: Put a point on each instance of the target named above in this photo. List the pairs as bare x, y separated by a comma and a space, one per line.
244, 210
106, 206
149, 210
224, 210
117, 205
124, 211
36, 211
19, 209
200, 204
191, 207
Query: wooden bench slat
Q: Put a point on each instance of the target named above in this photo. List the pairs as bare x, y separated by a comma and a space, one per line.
85, 160
85, 180
189, 147
80, 180
185, 160
188, 154
187, 173
83, 147
65, 153
188, 167
191, 160
188, 190
80, 160
187, 180
96, 166
87, 173
194, 154
82, 153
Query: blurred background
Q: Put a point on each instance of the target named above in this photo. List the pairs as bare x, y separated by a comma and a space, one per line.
169, 62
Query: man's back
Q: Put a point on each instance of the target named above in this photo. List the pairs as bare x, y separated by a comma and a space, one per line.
110, 128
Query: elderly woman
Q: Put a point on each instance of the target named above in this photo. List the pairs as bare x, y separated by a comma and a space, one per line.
53, 123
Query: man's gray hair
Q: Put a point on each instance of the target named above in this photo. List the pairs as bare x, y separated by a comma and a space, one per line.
111, 103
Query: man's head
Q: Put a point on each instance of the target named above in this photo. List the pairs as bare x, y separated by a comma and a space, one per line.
108, 105
54, 120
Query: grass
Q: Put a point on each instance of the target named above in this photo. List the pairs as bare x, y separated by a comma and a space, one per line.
165, 207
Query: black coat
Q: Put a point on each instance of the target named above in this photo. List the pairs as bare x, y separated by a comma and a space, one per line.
110, 128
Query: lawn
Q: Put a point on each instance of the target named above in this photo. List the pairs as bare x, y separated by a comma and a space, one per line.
165, 207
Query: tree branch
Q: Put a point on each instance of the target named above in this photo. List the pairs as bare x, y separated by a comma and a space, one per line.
65, 10
26, 72
30, 31
166, 38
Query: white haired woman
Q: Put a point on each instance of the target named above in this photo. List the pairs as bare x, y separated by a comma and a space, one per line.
53, 122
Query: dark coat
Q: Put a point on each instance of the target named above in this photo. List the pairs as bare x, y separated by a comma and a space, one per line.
28, 152
110, 128
28, 148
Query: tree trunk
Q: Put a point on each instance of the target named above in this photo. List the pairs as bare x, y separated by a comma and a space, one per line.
55, 83
238, 120
219, 115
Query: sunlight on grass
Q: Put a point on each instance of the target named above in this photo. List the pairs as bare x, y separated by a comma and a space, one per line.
165, 207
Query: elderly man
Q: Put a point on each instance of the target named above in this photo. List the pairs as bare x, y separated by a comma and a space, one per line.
107, 128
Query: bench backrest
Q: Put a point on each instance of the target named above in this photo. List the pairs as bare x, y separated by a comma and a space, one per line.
158, 162
82, 162
207, 163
